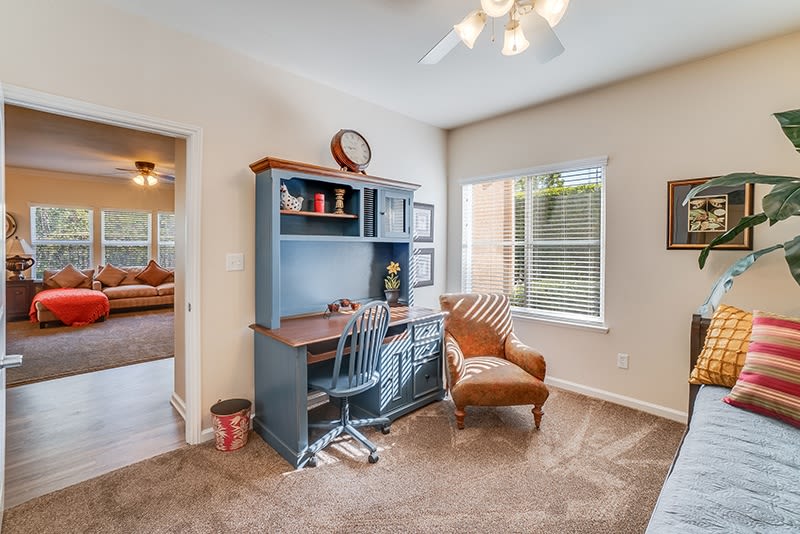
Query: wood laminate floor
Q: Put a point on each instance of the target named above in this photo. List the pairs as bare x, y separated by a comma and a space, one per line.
65, 431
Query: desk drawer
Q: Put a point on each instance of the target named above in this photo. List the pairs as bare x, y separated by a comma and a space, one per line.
426, 349
427, 330
427, 377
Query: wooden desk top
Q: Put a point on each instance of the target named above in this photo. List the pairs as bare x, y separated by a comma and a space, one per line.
300, 331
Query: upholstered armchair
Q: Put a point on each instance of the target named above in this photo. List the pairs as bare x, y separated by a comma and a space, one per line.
487, 365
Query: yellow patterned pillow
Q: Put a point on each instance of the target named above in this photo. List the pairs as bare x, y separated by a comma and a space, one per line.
725, 348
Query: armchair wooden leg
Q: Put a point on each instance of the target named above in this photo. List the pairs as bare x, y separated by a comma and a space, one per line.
459, 418
537, 416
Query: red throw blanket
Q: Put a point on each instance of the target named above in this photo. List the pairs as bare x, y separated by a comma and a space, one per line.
73, 307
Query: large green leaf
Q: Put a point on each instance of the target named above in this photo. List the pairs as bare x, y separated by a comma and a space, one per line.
792, 249
782, 202
790, 123
740, 178
744, 223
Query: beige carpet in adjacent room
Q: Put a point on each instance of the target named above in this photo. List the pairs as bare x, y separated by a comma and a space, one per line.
56, 351
594, 467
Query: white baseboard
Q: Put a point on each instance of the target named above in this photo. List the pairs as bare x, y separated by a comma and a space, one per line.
655, 409
178, 404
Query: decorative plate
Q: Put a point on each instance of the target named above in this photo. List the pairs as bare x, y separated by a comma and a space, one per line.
11, 225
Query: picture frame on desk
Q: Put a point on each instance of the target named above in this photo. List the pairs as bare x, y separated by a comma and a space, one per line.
423, 222
423, 267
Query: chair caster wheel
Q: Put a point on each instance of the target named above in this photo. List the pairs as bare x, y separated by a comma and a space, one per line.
373, 458
312, 462
385, 429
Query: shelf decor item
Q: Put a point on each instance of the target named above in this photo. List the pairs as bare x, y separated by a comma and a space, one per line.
339, 206
351, 150
391, 283
288, 202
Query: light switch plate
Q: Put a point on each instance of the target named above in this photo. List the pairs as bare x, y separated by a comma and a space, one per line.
234, 261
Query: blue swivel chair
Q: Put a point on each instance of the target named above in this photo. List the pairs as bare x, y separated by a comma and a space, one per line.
354, 371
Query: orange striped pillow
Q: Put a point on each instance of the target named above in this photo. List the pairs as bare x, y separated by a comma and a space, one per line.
769, 383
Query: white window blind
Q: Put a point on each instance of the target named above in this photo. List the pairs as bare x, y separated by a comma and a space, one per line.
59, 236
538, 239
166, 240
125, 237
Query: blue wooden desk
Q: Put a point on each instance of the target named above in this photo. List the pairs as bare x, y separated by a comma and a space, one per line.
410, 367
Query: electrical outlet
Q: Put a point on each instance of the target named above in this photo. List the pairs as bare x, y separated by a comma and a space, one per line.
234, 262
622, 360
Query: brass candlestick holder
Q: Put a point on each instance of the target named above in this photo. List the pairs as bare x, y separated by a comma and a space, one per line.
339, 206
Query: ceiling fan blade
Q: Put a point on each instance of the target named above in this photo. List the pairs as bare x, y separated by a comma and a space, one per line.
126, 170
166, 177
441, 49
545, 44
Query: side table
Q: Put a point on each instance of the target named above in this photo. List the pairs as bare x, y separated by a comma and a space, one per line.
19, 294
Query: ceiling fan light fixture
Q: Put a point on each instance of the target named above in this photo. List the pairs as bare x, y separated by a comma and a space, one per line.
551, 10
151, 180
497, 8
138, 179
514, 41
470, 28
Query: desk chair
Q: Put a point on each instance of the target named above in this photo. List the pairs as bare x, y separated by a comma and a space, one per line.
353, 371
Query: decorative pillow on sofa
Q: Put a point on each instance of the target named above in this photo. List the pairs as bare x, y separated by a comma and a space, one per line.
153, 274
725, 348
69, 276
769, 383
110, 275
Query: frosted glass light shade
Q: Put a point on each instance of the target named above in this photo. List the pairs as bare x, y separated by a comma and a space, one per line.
151, 180
551, 10
138, 179
514, 41
496, 8
470, 28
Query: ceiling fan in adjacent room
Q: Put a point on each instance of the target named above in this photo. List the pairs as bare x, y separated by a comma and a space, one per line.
537, 17
147, 175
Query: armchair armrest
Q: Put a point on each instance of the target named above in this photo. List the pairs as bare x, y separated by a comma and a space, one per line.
455, 360
525, 357
97, 285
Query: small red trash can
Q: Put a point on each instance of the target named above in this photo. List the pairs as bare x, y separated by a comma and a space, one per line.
231, 423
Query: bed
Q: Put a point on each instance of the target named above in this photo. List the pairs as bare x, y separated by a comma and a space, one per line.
734, 472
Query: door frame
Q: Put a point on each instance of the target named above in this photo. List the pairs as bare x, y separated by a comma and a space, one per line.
193, 135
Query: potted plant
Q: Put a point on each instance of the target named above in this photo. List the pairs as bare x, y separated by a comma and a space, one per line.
391, 283
781, 203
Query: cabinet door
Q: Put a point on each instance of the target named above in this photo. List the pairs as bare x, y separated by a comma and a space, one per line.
394, 377
395, 213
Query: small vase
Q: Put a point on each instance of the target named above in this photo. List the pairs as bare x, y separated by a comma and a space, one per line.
392, 296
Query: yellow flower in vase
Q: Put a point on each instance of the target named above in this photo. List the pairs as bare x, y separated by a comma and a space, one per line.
392, 281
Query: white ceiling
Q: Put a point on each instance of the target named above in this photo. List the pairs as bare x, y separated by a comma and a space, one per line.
370, 48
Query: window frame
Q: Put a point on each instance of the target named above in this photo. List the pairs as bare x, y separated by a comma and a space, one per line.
104, 243
35, 241
595, 324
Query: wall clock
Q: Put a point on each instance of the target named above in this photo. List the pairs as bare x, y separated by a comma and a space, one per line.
351, 150
11, 225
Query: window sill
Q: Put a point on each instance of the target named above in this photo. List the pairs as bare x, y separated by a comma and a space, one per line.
592, 327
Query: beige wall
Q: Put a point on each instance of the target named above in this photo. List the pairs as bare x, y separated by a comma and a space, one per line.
27, 187
247, 110
701, 119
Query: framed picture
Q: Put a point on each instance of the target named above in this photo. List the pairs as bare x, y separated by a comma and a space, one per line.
423, 267
423, 222
707, 216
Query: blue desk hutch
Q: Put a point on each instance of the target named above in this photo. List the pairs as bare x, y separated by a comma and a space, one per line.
307, 259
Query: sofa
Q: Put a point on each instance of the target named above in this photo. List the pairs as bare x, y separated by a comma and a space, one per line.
129, 294
735, 471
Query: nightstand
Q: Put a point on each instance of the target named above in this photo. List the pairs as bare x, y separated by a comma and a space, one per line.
19, 294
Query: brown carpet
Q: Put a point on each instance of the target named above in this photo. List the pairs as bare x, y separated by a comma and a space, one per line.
594, 467
124, 338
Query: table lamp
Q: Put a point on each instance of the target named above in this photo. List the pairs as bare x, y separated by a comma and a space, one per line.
18, 258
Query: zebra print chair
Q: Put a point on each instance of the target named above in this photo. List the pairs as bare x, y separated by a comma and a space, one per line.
487, 365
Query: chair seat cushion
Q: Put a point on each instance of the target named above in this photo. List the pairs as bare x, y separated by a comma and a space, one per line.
492, 381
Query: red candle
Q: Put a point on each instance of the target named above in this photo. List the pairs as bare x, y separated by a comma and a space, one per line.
319, 203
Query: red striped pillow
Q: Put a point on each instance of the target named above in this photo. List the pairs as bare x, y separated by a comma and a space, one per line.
769, 383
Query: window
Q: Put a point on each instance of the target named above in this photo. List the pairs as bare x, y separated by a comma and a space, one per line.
60, 236
538, 238
166, 240
125, 237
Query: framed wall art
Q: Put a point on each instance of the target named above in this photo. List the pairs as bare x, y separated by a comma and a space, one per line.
423, 266
423, 223
707, 216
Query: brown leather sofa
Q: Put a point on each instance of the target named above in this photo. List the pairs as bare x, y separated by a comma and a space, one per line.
487, 365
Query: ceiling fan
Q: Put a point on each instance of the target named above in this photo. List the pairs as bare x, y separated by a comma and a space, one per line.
147, 175
539, 17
